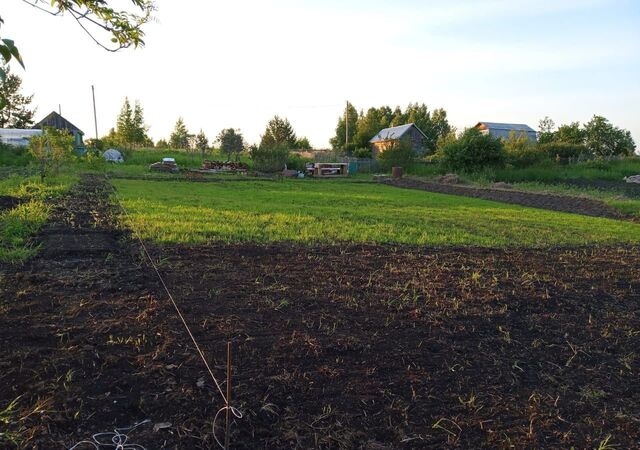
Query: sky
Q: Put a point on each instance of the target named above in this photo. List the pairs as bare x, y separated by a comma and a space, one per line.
236, 64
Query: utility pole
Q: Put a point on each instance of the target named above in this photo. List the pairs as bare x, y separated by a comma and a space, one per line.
346, 123
95, 115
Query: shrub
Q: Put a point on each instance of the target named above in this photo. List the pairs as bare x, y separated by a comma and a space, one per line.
11, 155
473, 151
555, 150
400, 153
51, 150
270, 158
362, 153
297, 162
521, 151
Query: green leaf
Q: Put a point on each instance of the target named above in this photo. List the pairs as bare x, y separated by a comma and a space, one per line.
9, 45
5, 53
3, 75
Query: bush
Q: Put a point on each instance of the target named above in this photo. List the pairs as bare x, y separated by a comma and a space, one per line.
51, 149
521, 151
297, 162
11, 155
362, 153
400, 153
473, 151
270, 158
556, 150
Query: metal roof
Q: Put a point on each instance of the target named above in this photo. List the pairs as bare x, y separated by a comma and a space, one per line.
394, 133
507, 126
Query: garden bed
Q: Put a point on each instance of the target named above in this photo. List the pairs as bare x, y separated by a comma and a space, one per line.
363, 346
541, 200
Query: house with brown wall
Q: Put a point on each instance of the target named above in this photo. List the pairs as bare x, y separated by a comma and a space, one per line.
388, 137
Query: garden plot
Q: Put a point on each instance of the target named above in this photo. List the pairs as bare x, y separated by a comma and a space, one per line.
350, 346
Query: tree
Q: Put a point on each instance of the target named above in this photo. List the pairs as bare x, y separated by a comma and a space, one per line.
400, 153
124, 124
162, 144
370, 124
546, 129
433, 124
180, 136
202, 143
604, 139
570, 134
342, 141
303, 144
139, 129
51, 149
473, 151
279, 131
15, 112
130, 128
8, 51
231, 142
121, 28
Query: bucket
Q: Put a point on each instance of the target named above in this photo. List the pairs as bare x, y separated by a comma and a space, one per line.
397, 172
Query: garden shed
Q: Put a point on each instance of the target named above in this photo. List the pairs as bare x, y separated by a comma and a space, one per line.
390, 136
503, 130
55, 120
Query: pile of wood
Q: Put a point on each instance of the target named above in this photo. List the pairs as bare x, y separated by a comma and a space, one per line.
166, 165
224, 166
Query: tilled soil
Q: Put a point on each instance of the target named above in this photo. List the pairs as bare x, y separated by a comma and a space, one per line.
8, 202
541, 200
364, 346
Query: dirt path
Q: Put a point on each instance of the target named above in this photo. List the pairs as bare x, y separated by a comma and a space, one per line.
554, 202
358, 347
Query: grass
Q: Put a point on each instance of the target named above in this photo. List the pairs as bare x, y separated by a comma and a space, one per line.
18, 224
552, 172
317, 211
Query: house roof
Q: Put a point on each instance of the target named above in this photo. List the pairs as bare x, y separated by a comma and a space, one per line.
55, 120
507, 126
394, 133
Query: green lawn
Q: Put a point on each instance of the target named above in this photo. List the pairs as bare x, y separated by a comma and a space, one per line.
324, 211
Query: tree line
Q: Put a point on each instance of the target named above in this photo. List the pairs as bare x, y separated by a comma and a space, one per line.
355, 129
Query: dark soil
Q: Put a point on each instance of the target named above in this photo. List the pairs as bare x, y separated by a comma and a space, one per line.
367, 346
541, 200
8, 202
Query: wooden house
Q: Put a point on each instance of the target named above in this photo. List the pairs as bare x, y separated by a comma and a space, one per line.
55, 120
391, 136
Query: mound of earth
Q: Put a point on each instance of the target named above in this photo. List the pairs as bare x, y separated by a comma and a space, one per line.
541, 200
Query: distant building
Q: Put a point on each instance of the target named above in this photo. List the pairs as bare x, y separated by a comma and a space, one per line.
55, 120
503, 130
17, 137
389, 136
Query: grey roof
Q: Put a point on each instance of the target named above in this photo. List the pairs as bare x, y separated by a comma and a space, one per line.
507, 126
58, 122
393, 133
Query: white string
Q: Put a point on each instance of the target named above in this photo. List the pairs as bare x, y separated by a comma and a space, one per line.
237, 413
118, 439
234, 411
175, 305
